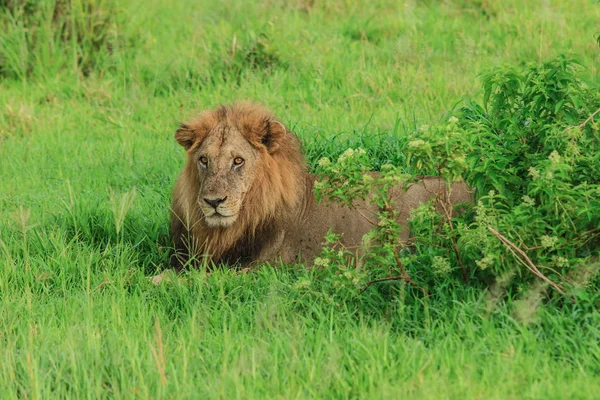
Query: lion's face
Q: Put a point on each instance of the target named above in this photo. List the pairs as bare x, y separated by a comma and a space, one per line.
228, 150
226, 165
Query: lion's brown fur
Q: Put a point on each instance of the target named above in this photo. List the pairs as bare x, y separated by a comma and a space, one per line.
274, 196
279, 219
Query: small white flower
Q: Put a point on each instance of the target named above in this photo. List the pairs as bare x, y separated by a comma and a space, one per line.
528, 201
416, 143
485, 262
534, 173
459, 159
554, 157
324, 162
346, 155
549, 241
321, 262
440, 265
303, 284
560, 262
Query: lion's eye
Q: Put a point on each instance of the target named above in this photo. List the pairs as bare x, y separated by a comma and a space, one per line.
204, 161
238, 161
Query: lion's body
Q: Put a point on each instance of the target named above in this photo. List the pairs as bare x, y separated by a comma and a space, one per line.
305, 237
264, 210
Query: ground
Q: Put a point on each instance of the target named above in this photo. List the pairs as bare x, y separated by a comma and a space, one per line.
87, 161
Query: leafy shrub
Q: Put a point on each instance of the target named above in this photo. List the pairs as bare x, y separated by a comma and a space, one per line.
42, 37
226, 59
531, 151
252, 52
535, 161
346, 181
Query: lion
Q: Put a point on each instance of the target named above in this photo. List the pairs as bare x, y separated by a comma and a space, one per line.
245, 195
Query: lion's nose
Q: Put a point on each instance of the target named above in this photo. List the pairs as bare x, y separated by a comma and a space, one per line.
215, 202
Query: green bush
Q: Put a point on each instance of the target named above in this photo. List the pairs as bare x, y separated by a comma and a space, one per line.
535, 162
44, 37
347, 181
531, 152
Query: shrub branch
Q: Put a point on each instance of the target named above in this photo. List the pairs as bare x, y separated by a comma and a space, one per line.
404, 277
584, 123
448, 214
522, 258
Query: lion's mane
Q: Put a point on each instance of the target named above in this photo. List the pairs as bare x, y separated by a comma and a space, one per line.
273, 198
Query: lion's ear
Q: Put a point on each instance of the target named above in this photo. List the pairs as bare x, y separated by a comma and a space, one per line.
274, 134
185, 136
196, 130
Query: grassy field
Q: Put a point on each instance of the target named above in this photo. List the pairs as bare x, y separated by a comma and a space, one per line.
87, 161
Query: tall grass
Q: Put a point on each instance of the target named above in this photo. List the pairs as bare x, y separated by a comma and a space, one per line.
87, 161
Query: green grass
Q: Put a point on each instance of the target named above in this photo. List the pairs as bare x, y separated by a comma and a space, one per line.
78, 318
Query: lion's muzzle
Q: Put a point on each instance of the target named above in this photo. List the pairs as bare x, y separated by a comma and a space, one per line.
214, 203
218, 212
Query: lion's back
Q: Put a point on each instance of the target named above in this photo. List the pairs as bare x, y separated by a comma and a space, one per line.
307, 236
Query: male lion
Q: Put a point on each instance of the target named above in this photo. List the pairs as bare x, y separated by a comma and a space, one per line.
245, 195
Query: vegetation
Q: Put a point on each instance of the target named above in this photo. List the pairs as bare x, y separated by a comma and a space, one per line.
90, 94
530, 153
